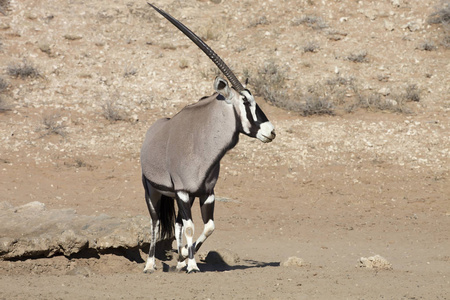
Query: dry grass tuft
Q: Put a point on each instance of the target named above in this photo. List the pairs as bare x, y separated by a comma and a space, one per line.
313, 22
52, 124
4, 4
269, 83
442, 17
311, 47
3, 86
22, 70
112, 112
359, 57
427, 46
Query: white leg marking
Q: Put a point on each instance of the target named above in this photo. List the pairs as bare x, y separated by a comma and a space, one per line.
179, 235
189, 233
207, 231
150, 266
210, 199
183, 196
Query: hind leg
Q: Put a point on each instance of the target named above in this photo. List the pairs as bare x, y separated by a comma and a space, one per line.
182, 250
184, 207
153, 200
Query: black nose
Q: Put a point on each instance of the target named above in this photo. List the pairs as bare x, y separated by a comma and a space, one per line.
273, 133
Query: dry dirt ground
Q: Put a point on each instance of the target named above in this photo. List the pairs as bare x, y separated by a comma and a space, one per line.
328, 189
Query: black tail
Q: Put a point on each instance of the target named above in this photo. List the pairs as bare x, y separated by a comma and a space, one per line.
166, 212
167, 218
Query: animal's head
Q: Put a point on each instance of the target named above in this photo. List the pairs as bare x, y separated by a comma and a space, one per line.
253, 121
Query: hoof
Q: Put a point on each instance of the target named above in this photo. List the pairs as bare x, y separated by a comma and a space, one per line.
149, 271
181, 266
192, 271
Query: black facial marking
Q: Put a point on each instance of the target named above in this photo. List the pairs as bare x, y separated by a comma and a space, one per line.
260, 115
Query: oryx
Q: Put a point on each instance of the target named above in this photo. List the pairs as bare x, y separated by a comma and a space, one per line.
180, 157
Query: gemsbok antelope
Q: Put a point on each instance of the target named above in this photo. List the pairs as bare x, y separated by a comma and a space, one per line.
180, 156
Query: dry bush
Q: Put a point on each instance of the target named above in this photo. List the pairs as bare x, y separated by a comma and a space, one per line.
359, 57
375, 102
412, 93
4, 4
427, 46
23, 70
269, 83
327, 97
3, 86
311, 21
52, 124
259, 21
129, 71
316, 105
441, 16
112, 112
311, 47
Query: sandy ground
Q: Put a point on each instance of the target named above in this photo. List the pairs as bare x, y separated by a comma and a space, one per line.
328, 189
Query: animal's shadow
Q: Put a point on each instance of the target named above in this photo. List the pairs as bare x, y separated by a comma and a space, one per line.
220, 265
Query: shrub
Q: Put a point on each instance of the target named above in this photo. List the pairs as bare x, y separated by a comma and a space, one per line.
23, 70
4, 6
311, 47
310, 21
112, 112
269, 83
427, 46
412, 93
359, 57
316, 105
52, 125
442, 16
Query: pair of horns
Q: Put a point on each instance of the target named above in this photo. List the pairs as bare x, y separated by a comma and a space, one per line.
205, 48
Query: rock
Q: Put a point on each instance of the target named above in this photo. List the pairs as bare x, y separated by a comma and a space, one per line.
32, 230
222, 257
389, 25
375, 262
384, 91
293, 261
396, 3
413, 26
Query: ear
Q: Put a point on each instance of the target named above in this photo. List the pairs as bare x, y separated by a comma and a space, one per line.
221, 86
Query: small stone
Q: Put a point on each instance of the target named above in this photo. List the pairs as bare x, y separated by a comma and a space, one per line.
293, 261
375, 262
412, 26
384, 91
396, 3
389, 25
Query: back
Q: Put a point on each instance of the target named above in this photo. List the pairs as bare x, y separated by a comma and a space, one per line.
183, 153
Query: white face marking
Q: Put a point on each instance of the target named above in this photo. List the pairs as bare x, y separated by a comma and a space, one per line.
265, 132
244, 121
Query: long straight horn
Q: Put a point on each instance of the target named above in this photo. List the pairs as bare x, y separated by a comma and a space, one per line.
204, 47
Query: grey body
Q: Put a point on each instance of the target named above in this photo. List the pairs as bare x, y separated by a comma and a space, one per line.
174, 159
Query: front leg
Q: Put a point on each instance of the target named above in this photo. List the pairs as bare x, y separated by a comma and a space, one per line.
207, 208
184, 207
